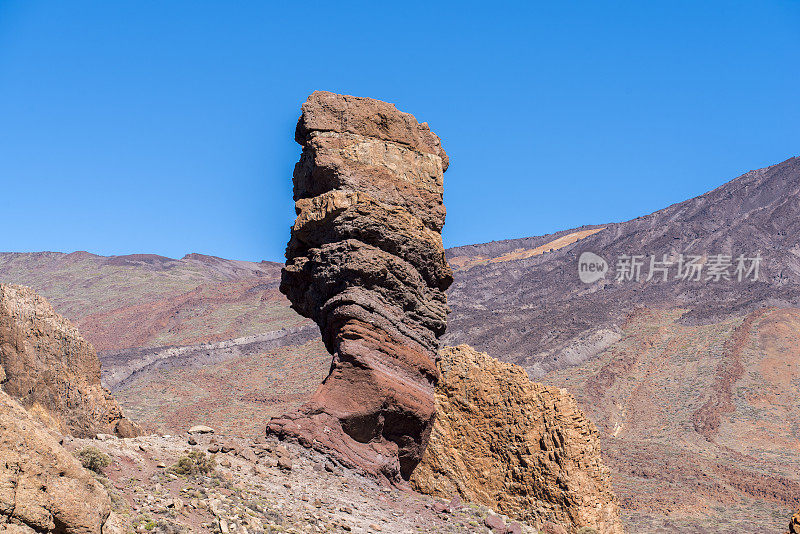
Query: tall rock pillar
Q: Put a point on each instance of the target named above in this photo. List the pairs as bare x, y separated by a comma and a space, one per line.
366, 262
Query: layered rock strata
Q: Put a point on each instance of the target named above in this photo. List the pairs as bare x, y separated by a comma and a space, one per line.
52, 370
519, 447
366, 262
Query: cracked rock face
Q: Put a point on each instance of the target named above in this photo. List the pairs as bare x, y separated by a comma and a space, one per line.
52, 370
43, 488
366, 262
519, 447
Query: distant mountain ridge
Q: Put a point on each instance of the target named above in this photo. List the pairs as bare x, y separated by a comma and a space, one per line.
139, 300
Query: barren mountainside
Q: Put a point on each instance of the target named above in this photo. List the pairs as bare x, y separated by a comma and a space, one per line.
533, 308
145, 300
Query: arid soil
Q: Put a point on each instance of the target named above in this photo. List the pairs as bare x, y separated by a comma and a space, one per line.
699, 421
237, 395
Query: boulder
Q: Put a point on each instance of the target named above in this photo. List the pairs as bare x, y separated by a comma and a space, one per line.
366, 262
518, 447
52, 370
495, 523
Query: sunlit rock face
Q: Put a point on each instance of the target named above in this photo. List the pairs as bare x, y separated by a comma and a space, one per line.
522, 448
52, 370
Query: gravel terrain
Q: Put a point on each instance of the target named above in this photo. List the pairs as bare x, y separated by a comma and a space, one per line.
265, 486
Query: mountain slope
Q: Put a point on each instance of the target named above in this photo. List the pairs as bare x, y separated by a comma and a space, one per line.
532, 310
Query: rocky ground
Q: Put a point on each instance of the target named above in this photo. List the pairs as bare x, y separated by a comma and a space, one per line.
265, 486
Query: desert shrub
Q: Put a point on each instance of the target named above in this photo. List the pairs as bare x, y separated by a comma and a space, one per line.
195, 463
93, 459
587, 530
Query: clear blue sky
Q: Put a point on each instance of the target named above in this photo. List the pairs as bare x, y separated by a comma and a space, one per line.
167, 127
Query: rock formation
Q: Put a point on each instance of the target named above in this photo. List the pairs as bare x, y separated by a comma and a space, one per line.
366, 262
519, 447
43, 488
52, 370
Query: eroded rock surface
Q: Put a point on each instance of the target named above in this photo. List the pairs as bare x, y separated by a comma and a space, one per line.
517, 446
366, 262
52, 370
43, 488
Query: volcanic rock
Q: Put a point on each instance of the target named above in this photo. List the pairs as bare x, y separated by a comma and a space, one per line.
366, 262
519, 447
495, 523
52, 370
43, 488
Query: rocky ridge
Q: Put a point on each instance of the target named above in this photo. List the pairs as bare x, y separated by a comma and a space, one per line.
366, 263
126, 302
51, 370
522, 448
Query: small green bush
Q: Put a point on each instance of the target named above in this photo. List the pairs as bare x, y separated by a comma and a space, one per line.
587, 530
195, 463
93, 459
